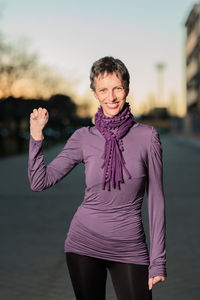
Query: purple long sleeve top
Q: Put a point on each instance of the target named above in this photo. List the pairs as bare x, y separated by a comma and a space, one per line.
108, 224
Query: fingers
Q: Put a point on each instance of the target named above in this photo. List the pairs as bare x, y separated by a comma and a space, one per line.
155, 280
40, 113
150, 283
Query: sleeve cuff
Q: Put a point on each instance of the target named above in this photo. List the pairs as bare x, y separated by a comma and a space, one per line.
37, 141
157, 271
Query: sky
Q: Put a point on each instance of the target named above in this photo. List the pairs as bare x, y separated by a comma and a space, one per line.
71, 35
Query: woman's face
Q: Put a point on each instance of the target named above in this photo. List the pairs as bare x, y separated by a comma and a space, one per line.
110, 93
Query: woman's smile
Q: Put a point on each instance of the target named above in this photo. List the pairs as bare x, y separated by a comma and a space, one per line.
112, 105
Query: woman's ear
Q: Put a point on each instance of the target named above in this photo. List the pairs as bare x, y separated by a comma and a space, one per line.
127, 92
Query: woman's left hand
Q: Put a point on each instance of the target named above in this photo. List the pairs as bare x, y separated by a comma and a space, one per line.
154, 280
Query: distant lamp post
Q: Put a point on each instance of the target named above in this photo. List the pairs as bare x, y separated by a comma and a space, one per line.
160, 67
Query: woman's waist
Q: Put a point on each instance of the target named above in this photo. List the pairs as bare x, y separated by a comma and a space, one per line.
112, 223
106, 208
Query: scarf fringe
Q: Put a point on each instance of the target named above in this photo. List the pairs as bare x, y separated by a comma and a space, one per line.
114, 162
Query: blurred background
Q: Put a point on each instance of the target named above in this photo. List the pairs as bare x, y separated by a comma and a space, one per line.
46, 51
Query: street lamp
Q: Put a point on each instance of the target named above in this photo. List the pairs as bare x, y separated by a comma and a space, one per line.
160, 67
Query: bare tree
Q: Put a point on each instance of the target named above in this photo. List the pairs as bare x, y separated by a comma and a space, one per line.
15, 63
22, 73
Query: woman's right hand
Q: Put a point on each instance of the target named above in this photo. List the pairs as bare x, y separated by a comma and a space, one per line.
38, 119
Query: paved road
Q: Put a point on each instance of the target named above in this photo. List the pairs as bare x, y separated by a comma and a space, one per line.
33, 227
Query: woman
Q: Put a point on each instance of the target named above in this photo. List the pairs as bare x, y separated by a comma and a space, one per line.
121, 158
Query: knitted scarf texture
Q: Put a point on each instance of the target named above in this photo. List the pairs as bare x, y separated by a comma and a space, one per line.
113, 130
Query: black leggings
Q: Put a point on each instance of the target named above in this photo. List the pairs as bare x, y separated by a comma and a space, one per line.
89, 274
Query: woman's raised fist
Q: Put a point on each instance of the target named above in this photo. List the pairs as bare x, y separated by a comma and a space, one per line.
38, 119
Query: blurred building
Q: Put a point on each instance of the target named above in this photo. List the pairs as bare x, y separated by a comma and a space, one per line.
158, 117
15, 121
192, 52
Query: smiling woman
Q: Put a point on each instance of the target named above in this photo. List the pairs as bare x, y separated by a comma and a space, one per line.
110, 83
106, 232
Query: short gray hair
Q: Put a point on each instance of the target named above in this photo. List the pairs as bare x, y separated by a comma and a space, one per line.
109, 65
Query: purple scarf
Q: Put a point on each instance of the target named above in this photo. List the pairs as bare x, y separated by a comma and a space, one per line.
113, 158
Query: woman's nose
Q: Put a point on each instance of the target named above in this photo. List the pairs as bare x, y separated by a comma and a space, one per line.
111, 95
